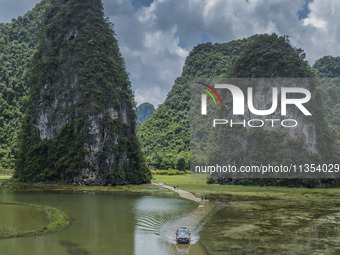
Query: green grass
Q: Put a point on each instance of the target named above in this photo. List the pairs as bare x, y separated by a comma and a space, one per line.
198, 186
144, 189
5, 177
57, 220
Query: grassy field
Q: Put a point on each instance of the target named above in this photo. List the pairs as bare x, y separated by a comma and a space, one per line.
266, 220
5, 177
199, 187
145, 189
55, 218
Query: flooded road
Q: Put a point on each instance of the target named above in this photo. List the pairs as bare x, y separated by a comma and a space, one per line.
305, 222
105, 224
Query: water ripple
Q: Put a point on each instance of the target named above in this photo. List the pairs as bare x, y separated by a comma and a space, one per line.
150, 223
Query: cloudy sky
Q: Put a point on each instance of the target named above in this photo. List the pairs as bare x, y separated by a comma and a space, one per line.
155, 36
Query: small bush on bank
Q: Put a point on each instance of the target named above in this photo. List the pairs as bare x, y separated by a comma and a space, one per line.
171, 172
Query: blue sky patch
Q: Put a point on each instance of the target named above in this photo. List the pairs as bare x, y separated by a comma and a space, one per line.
302, 14
141, 3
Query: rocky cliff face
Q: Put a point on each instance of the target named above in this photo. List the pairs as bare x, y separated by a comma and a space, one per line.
80, 123
304, 126
270, 56
251, 138
267, 58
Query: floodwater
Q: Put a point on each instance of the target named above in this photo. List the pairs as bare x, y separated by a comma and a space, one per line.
305, 226
102, 224
136, 224
18, 218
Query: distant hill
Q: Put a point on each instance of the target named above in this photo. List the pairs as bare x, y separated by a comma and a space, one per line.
144, 112
165, 136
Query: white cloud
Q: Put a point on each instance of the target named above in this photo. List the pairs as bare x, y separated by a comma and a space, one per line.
152, 54
156, 39
151, 95
322, 29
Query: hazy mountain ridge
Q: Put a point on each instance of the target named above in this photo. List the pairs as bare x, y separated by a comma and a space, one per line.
144, 112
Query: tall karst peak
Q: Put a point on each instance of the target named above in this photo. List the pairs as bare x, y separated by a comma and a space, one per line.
80, 122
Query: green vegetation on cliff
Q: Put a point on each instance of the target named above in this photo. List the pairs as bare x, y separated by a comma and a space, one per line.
165, 136
80, 121
17, 46
270, 56
329, 68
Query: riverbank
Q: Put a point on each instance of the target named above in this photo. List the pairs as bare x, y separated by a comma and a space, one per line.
248, 219
52, 220
221, 193
194, 185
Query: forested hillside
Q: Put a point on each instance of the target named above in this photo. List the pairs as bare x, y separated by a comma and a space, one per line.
329, 67
165, 136
17, 45
270, 56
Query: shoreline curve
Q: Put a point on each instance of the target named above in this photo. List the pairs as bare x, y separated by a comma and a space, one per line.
57, 220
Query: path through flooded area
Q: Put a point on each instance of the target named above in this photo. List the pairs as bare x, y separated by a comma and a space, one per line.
105, 224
